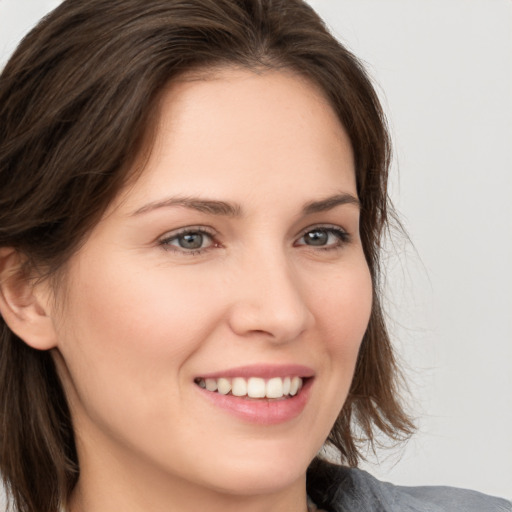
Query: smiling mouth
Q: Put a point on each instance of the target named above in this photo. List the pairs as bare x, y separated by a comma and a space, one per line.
254, 387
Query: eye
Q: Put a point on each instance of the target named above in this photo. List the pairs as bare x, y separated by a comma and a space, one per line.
188, 241
324, 237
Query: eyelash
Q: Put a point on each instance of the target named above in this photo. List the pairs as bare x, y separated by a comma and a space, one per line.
165, 242
340, 234
342, 239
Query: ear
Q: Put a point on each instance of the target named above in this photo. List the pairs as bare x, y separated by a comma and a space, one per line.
24, 303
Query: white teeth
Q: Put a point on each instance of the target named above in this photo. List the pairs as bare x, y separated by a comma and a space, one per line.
275, 388
239, 387
295, 385
210, 384
286, 385
223, 386
254, 387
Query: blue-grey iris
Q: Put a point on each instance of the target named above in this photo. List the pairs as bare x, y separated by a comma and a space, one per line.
317, 237
191, 241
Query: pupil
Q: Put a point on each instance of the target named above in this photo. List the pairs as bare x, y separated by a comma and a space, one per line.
191, 241
317, 237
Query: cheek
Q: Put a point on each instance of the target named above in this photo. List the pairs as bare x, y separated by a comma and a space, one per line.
344, 312
144, 308
344, 308
125, 324
126, 346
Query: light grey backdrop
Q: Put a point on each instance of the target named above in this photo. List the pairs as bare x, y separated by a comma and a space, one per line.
444, 71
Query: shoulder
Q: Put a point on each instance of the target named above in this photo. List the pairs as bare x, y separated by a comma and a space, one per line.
341, 489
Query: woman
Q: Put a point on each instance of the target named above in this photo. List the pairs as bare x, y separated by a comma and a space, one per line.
192, 201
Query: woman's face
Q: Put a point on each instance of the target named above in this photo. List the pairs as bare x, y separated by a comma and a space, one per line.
236, 260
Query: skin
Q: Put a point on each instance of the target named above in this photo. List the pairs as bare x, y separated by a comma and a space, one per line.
143, 317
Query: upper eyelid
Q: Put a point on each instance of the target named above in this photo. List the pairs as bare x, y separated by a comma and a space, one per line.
340, 233
210, 232
165, 240
332, 227
188, 229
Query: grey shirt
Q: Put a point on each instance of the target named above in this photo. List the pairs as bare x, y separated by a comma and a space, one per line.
340, 489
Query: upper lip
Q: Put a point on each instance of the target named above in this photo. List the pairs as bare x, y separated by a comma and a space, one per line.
264, 371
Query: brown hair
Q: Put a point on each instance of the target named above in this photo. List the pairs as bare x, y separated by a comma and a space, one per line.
76, 100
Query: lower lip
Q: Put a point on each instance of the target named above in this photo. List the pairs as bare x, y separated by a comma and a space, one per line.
261, 411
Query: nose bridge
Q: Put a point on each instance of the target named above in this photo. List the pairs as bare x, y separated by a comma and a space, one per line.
270, 299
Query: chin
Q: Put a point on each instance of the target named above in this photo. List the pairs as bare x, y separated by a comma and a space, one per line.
259, 474
257, 481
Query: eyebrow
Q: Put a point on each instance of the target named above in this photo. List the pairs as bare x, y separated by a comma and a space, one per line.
223, 208
330, 202
210, 206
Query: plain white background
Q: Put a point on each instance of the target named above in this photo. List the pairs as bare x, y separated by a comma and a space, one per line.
443, 69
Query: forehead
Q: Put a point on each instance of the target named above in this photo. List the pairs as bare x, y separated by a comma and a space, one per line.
244, 128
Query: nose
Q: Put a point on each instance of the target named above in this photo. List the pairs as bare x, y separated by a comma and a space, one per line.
270, 300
